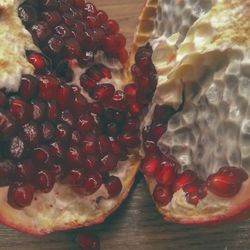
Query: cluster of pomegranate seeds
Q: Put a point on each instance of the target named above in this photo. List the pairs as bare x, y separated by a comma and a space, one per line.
166, 170
72, 29
135, 96
49, 131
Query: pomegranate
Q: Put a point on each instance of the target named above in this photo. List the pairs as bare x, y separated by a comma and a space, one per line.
69, 121
72, 102
195, 134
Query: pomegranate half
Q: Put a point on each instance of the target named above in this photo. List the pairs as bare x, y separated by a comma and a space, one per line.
69, 114
196, 133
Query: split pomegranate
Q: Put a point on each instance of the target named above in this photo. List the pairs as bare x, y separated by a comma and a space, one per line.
72, 102
69, 128
195, 135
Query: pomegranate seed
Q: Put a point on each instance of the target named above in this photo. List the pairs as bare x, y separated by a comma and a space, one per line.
48, 131
194, 192
92, 183
7, 124
55, 46
166, 174
38, 110
136, 72
74, 177
150, 147
48, 87
108, 162
51, 17
20, 195
31, 133
104, 71
24, 170
135, 108
63, 70
88, 241
62, 30
117, 149
122, 55
132, 125
163, 113
57, 151
90, 9
28, 87
120, 40
101, 16
68, 118
118, 101
79, 104
91, 22
129, 140
17, 148
76, 137
72, 47
103, 92
62, 132
239, 172
64, 96
113, 186
85, 123
38, 61
187, 177
157, 131
87, 83
75, 88
143, 52
79, 4
85, 58
27, 14
104, 145
150, 165
52, 110
74, 157
112, 129
56, 170
41, 154
109, 44
7, 171
90, 163
20, 110
96, 108
131, 91
94, 74
44, 181
40, 31
89, 144
226, 183
112, 27
162, 195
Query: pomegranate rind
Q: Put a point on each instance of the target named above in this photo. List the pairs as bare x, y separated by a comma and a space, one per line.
64, 209
209, 42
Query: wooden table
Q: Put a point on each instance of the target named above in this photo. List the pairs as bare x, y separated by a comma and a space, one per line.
136, 225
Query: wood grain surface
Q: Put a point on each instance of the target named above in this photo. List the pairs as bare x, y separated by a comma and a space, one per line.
136, 225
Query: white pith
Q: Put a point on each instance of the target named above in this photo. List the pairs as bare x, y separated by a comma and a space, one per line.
211, 66
15, 40
62, 208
